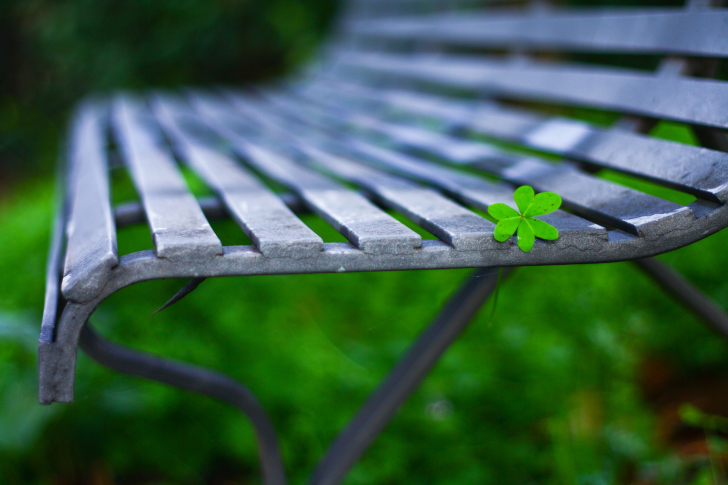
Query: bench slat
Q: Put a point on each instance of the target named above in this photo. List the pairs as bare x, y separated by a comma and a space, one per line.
91, 249
689, 100
696, 170
179, 228
450, 222
264, 218
366, 226
645, 31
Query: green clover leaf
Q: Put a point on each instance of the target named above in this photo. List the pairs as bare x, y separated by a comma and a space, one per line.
529, 228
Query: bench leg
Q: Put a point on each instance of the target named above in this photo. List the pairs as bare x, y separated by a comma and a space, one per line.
362, 430
691, 297
405, 378
194, 379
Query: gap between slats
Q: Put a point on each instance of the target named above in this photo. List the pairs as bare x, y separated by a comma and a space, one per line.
264, 218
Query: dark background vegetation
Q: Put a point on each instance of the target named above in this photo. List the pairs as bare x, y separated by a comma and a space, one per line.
53, 53
577, 378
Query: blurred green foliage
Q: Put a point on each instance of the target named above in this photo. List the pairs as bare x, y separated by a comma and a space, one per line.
53, 53
547, 393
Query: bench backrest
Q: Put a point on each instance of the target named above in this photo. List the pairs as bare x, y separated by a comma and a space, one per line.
527, 54
530, 75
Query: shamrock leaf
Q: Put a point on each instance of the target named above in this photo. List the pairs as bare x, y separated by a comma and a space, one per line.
529, 228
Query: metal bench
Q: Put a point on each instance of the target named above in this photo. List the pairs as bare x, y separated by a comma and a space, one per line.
391, 109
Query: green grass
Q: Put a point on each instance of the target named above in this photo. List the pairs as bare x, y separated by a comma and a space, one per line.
545, 392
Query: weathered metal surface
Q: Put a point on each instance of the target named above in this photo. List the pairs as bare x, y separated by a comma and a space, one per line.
264, 218
479, 193
54, 267
692, 169
450, 222
365, 225
90, 233
445, 219
646, 31
596, 199
689, 100
178, 226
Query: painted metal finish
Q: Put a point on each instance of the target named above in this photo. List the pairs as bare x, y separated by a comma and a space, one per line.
263, 216
692, 169
57, 358
91, 250
470, 189
645, 31
365, 225
597, 199
178, 226
688, 100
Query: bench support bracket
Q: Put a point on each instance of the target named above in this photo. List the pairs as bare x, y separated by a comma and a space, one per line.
196, 379
405, 377
366, 425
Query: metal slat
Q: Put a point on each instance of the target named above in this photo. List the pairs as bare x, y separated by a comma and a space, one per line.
638, 31
366, 226
451, 223
264, 218
689, 100
443, 146
53, 275
178, 226
91, 250
696, 170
